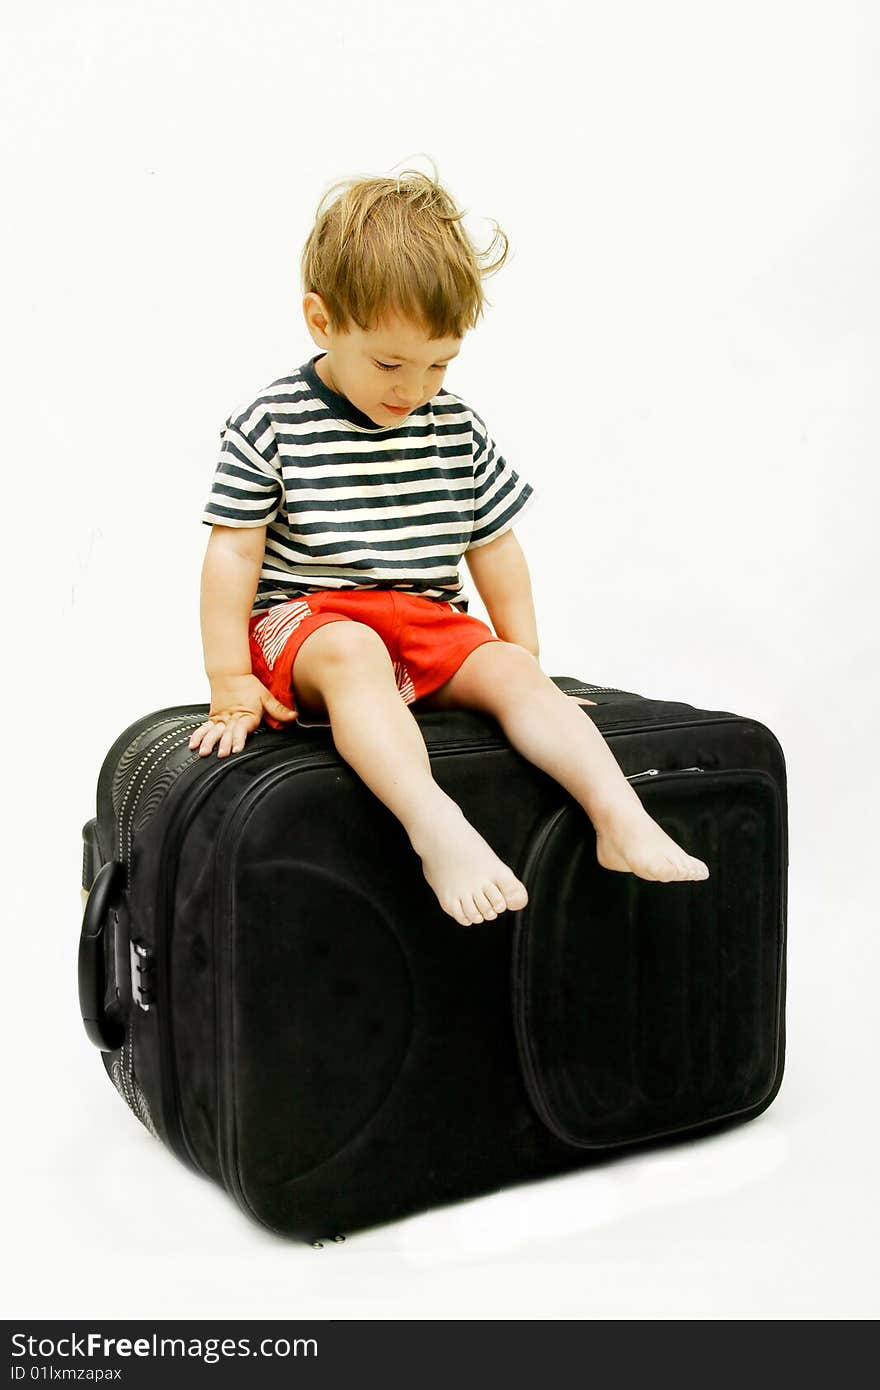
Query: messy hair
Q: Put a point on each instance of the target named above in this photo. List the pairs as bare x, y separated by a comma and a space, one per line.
397, 245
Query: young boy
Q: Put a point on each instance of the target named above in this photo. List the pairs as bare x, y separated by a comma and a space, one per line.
343, 500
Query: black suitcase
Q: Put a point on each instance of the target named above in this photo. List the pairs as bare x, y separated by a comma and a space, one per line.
279, 998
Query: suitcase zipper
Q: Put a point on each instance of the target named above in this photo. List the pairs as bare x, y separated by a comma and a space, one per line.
131, 1091
155, 755
656, 772
595, 689
123, 1078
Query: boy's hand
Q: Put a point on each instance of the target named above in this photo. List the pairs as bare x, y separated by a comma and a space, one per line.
237, 704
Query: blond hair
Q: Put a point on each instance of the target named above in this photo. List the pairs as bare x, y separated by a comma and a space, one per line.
397, 244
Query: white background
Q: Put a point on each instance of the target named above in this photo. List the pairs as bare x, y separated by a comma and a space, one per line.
691, 306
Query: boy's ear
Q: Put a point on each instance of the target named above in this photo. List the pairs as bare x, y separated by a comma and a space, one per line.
317, 318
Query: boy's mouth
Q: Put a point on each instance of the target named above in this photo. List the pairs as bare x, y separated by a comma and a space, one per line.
397, 409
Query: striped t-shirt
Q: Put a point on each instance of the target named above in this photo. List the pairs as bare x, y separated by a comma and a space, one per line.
349, 504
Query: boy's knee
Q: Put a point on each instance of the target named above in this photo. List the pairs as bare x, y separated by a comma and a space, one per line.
329, 656
497, 675
513, 658
338, 646
515, 679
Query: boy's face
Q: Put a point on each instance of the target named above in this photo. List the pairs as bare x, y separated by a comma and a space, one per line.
394, 365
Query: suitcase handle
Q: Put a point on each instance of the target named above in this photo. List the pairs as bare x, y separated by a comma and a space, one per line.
104, 1032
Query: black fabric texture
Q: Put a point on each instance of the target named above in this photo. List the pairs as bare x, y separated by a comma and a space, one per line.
338, 1052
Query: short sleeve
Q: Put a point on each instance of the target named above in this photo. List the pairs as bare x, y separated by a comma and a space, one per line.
500, 494
247, 489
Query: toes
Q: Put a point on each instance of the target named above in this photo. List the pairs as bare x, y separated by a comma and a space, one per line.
693, 870
515, 894
689, 868
495, 896
465, 913
455, 910
484, 905
486, 902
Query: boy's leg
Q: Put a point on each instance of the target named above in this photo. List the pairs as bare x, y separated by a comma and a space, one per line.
548, 727
343, 671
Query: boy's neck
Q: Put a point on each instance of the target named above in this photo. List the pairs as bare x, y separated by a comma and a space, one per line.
326, 375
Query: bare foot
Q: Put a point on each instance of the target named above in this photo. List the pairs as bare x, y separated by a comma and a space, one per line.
631, 841
472, 884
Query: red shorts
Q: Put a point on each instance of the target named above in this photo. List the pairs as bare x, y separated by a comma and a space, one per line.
427, 640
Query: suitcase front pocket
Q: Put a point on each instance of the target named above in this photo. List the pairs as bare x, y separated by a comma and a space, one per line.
644, 1008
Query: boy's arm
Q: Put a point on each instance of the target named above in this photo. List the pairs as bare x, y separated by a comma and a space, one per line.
500, 572
230, 575
501, 576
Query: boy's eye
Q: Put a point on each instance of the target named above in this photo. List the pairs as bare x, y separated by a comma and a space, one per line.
392, 367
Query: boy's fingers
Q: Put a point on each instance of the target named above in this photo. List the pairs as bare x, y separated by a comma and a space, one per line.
227, 737
231, 731
236, 733
198, 734
208, 724
279, 711
206, 735
211, 738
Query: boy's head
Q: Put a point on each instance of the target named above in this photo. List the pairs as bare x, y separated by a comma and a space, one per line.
391, 285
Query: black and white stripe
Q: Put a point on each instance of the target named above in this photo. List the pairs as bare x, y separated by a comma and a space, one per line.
351, 504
